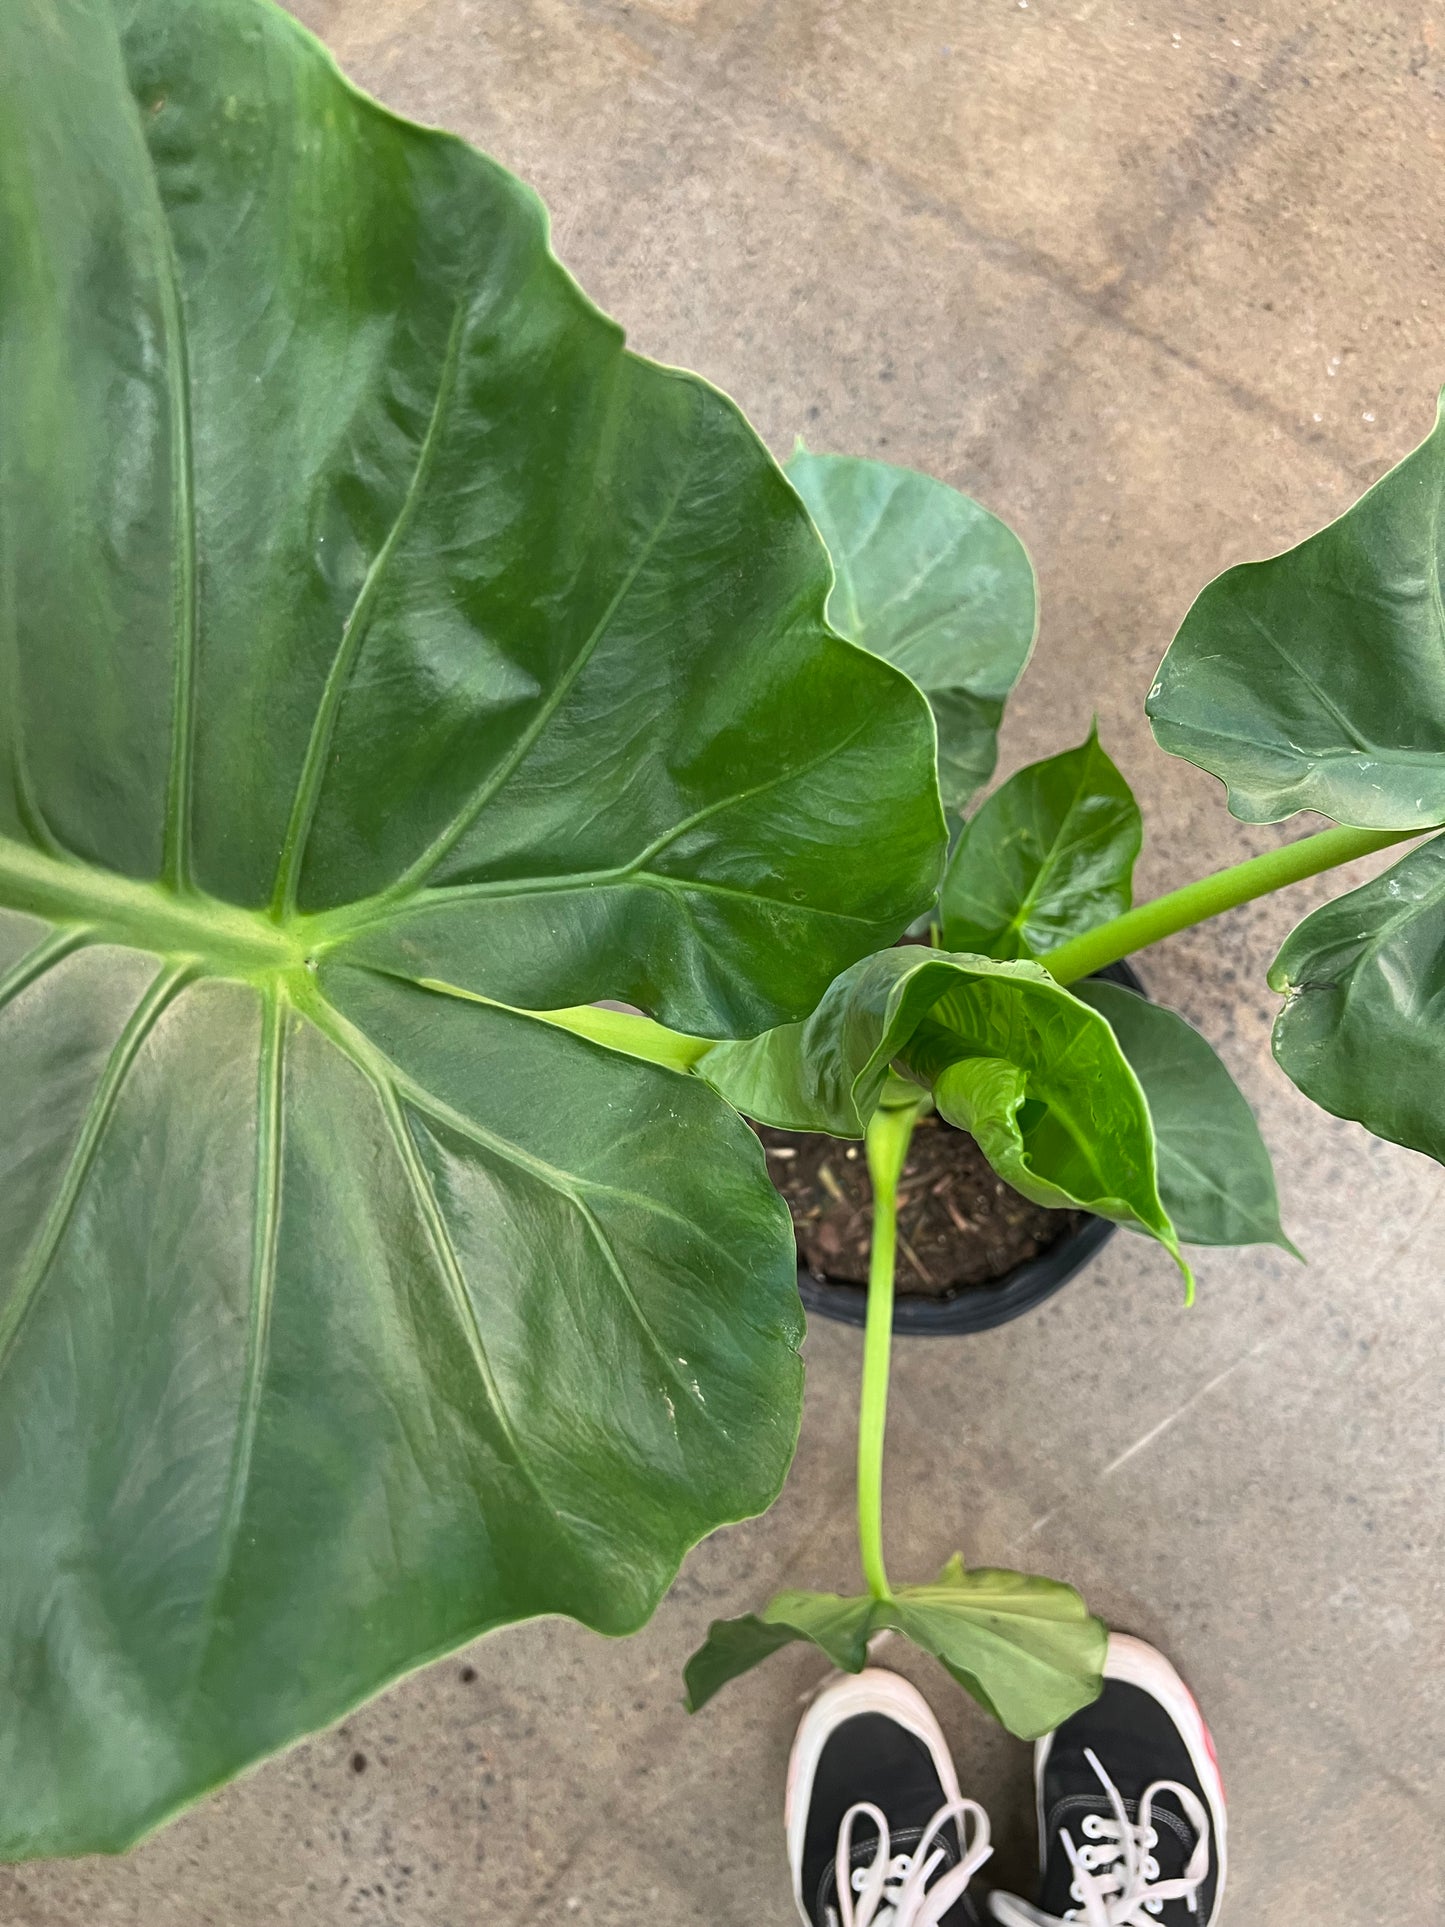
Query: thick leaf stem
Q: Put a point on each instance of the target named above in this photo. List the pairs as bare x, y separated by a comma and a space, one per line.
889, 1133
1225, 890
109, 908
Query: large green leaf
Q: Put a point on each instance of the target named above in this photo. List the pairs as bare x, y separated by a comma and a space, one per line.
381, 646
930, 580
1048, 856
1026, 1648
1215, 1176
1316, 680
1363, 1030
1010, 1056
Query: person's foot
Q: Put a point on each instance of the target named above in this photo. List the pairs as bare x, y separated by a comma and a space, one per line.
878, 1835
1131, 1807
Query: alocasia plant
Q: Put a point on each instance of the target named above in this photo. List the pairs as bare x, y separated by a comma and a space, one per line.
388, 661
1316, 680
392, 669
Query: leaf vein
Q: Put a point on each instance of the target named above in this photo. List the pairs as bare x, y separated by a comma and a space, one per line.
162, 990
442, 844
176, 851
38, 962
355, 629
270, 1100
380, 1073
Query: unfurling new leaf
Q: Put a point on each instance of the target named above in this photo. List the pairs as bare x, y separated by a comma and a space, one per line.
1035, 1074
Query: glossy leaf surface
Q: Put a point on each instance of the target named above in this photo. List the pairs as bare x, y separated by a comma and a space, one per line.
381, 646
1026, 1648
930, 580
1216, 1180
1010, 1056
1049, 855
1363, 1028
1316, 680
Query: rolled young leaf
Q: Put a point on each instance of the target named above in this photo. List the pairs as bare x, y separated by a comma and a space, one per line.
1049, 855
828, 1073
1011, 1056
1026, 1648
1361, 1031
1316, 680
373, 628
1039, 1081
929, 580
1216, 1180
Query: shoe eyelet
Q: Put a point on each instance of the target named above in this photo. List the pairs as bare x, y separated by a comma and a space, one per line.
1091, 1826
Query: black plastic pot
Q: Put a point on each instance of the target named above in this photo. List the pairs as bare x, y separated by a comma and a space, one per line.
975, 1308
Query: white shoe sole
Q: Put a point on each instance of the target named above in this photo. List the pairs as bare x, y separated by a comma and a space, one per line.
1138, 1664
843, 1698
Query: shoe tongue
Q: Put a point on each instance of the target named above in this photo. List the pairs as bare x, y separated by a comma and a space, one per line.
865, 1851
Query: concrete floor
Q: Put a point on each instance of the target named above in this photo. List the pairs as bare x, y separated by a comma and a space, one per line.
1161, 284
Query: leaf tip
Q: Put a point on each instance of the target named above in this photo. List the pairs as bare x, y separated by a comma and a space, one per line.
1187, 1271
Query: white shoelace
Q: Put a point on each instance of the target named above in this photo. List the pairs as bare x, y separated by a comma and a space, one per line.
894, 1890
1116, 1881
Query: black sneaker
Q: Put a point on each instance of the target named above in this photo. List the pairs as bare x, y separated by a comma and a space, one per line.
1131, 1807
877, 1833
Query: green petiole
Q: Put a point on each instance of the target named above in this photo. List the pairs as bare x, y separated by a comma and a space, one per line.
889, 1133
1258, 876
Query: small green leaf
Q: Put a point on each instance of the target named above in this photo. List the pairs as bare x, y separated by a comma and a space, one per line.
837, 1626
1026, 1648
1215, 1175
1011, 1056
1361, 1032
1316, 680
935, 584
1048, 856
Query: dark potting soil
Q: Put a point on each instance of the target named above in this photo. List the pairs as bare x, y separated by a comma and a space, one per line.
958, 1224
